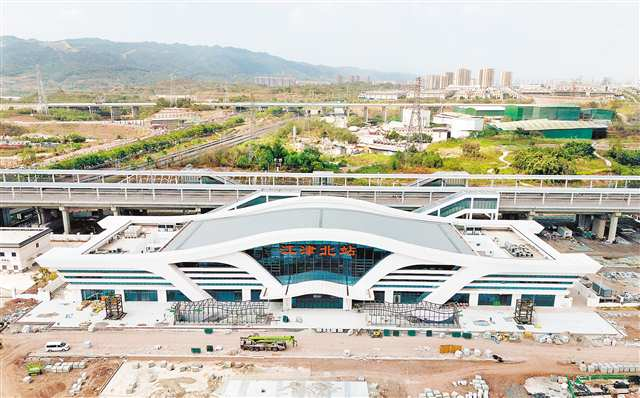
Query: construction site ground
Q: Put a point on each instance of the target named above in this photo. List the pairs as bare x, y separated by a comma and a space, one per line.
403, 366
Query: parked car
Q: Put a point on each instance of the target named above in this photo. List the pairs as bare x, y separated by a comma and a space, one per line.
56, 346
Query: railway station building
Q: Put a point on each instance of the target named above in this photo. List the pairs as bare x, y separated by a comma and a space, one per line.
320, 252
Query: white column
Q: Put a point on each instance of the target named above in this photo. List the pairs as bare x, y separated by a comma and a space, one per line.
120, 292
66, 222
162, 296
346, 303
286, 303
599, 224
473, 299
114, 211
514, 297
246, 294
388, 296
613, 227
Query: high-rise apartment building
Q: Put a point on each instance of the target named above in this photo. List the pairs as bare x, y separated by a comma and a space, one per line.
485, 77
505, 79
432, 82
447, 79
463, 77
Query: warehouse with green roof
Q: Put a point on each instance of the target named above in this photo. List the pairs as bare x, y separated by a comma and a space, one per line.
549, 112
597, 114
481, 110
565, 129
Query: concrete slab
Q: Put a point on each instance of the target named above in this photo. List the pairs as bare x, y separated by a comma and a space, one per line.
242, 388
574, 321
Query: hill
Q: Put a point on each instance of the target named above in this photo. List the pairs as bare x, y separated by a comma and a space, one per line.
92, 63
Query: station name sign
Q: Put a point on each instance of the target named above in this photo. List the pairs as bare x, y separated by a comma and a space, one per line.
318, 250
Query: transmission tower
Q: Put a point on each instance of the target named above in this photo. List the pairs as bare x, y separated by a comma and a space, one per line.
172, 99
415, 121
42, 98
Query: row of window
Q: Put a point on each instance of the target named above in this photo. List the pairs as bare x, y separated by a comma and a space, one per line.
13, 254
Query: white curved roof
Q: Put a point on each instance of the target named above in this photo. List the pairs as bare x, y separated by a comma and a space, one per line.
413, 230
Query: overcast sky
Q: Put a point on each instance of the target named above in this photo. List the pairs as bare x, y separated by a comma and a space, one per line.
536, 40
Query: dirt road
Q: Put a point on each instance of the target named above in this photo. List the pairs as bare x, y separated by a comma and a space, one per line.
402, 365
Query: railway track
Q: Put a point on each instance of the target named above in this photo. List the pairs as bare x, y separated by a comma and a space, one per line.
232, 139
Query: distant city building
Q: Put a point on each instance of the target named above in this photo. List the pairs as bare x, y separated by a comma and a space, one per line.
485, 77
447, 80
463, 77
339, 79
355, 78
275, 81
19, 247
505, 79
432, 82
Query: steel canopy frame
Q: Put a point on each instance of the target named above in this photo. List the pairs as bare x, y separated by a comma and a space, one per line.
423, 314
222, 313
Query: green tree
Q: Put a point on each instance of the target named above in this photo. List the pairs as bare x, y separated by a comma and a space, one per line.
471, 149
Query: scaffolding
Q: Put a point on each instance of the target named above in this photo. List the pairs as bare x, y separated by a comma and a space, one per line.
222, 313
523, 314
422, 314
113, 307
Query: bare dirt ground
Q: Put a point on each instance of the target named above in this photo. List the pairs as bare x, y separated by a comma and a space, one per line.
401, 365
106, 132
12, 306
597, 248
49, 385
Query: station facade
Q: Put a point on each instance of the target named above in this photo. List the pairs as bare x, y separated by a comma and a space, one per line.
320, 252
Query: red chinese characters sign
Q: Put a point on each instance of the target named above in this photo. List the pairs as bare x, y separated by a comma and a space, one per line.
319, 250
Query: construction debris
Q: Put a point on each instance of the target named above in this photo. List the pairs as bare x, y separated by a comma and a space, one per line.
479, 387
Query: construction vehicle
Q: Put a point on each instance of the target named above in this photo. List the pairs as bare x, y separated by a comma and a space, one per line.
256, 342
375, 333
34, 368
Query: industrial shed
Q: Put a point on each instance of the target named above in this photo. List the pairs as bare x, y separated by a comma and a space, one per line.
565, 129
550, 112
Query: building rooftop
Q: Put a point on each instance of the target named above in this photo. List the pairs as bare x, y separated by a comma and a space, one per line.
484, 107
546, 124
18, 237
424, 233
457, 115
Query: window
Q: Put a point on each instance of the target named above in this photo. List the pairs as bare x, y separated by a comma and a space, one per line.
316, 301
409, 297
255, 294
460, 298
1, 254
494, 299
37, 244
541, 300
340, 262
140, 295
378, 296
13, 254
15, 267
176, 295
225, 295
94, 294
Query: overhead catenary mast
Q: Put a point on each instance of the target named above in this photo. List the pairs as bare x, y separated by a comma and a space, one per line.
415, 121
42, 98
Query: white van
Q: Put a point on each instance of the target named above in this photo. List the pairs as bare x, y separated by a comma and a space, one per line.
56, 346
